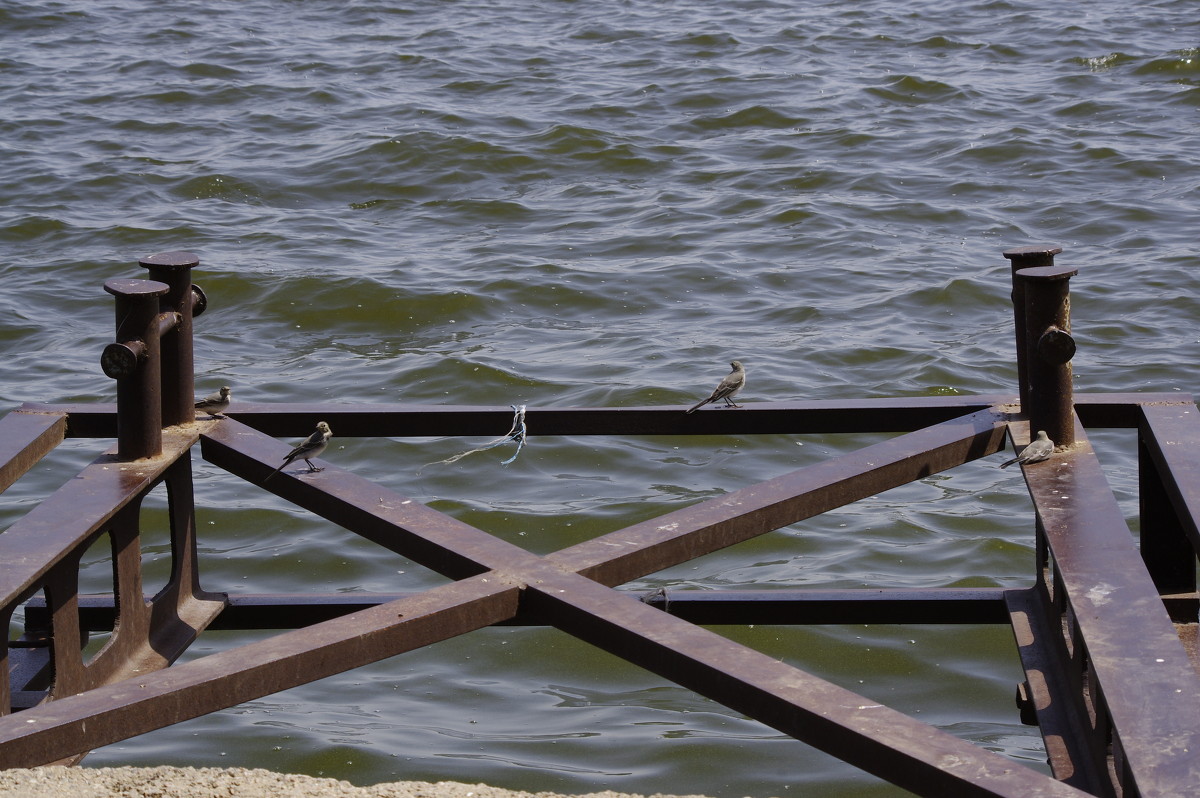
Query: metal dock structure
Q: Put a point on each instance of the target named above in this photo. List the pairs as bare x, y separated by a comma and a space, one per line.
1106, 634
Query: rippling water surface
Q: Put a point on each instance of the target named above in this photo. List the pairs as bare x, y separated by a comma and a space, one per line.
597, 204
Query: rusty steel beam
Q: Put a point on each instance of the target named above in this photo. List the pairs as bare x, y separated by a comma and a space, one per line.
776, 607
1146, 682
433, 539
813, 606
1101, 410
1051, 696
25, 438
874, 415
710, 525
1169, 494
879, 740
76, 724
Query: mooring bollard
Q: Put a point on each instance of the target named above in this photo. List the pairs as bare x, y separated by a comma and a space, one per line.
1049, 348
1038, 255
182, 297
134, 361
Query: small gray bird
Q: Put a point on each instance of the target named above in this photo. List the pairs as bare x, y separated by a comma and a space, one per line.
734, 381
312, 447
1037, 451
216, 403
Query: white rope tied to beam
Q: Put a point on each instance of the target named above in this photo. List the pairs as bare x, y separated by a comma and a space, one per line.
517, 434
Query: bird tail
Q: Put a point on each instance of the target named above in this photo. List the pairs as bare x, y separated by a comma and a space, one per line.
1009, 462
697, 407
276, 471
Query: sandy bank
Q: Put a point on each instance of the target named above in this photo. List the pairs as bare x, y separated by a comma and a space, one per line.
160, 782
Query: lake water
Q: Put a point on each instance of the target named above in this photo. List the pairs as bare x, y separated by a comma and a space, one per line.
597, 204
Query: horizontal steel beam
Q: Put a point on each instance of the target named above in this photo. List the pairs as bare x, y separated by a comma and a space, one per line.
796, 418
774, 607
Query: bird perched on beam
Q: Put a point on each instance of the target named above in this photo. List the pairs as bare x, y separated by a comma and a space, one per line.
216, 403
312, 447
734, 381
1037, 451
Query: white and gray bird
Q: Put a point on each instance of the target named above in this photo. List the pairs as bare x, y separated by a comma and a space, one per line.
216, 403
734, 381
312, 447
1038, 450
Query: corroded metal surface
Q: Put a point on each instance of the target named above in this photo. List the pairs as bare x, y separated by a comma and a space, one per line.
1139, 673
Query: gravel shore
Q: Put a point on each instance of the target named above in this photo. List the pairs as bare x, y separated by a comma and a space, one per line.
157, 782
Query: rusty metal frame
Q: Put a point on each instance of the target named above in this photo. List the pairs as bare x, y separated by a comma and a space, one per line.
1106, 634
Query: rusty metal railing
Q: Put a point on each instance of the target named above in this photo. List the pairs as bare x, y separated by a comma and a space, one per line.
1106, 634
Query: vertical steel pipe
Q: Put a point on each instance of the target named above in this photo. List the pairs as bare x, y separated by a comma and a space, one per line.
1049, 348
134, 361
178, 373
1028, 257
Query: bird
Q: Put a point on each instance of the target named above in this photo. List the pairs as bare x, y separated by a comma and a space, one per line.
1037, 451
312, 446
734, 381
216, 403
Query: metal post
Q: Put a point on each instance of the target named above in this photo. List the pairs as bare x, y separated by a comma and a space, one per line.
1025, 258
1049, 348
178, 375
133, 361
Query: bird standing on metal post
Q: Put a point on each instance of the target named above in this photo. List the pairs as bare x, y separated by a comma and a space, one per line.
1037, 451
216, 403
311, 447
734, 381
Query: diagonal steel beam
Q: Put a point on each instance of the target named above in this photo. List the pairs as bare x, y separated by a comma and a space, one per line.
1149, 687
76, 724
433, 539
710, 525
860, 731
